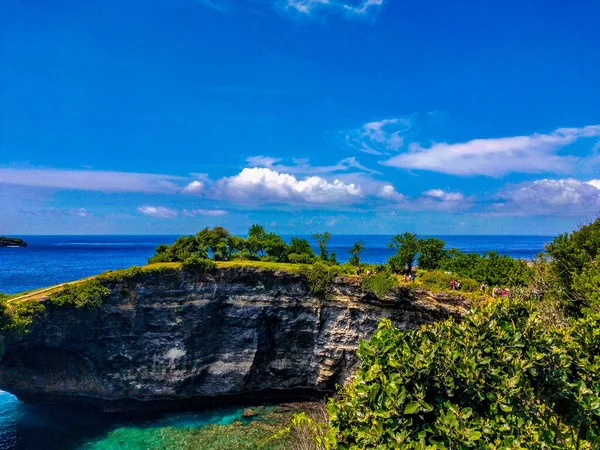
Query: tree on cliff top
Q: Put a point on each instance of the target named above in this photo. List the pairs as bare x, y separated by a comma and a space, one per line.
407, 246
355, 251
322, 239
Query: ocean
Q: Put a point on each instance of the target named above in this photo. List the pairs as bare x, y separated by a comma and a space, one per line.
50, 260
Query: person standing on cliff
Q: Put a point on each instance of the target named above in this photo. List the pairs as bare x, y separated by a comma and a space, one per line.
452, 284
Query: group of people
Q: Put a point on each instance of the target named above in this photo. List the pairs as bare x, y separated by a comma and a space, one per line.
455, 285
496, 292
368, 273
408, 277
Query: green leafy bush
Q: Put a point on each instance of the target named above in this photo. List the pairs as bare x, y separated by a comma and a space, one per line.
319, 279
500, 379
439, 280
301, 258
17, 317
381, 284
88, 294
197, 265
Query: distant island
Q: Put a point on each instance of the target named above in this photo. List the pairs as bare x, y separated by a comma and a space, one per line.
12, 242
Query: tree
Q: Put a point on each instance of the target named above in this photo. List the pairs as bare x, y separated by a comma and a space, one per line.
255, 242
301, 247
355, 251
215, 240
431, 253
322, 239
275, 247
406, 246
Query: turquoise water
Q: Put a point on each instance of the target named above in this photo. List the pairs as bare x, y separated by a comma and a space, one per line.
33, 427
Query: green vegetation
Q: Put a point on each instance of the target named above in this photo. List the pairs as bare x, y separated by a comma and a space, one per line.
381, 284
439, 280
431, 253
572, 272
407, 246
198, 266
88, 294
499, 379
135, 273
319, 277
17, 318
355, 252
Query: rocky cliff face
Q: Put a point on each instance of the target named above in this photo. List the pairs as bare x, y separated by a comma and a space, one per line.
237, 332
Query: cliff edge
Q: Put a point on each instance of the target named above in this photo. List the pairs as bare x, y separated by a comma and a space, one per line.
169, 337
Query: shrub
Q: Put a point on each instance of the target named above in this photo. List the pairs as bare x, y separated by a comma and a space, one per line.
301, 258
87, 294
381, 284
439, 280
197, 265
500, 379
318, 278
18, 317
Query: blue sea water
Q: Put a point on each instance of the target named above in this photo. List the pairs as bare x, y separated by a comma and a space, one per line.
49, 260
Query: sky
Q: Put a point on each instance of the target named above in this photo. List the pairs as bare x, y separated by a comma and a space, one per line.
348, 116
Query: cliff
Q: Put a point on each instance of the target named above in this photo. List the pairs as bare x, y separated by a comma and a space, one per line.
161, 337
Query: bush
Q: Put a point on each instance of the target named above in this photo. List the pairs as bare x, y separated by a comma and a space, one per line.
197, 265
500, 379
301, 258
87, 294
381, 284
318, 278
18, 317
439, 280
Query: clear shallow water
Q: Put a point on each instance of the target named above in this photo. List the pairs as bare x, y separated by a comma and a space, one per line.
51, 260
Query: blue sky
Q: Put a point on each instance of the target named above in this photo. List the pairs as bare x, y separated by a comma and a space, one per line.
353, 116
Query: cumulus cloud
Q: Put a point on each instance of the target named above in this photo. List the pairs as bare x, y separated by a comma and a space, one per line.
379, 137
195, 187
204, 212
90, 180
536, 153
264, 185
354, 7
388, 192
560, 197
158, 212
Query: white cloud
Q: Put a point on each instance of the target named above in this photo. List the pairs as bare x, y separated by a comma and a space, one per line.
354, 7
444, 196
536, 153
559, 197
388, 192
204, 212
195, 187
158, 212
431, 200
379, 137
90, 180
81, 212
302, 166
264, 185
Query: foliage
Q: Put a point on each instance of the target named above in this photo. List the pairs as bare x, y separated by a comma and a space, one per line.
407, 246
491, 268
301, 247
17, 317
574, 264
319, 279
275, 247
381, 284
355, 251
499, 379
322, 239
87, 294
301, 258
180, 250
439, 280
431, 253
136, 272
198, 266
